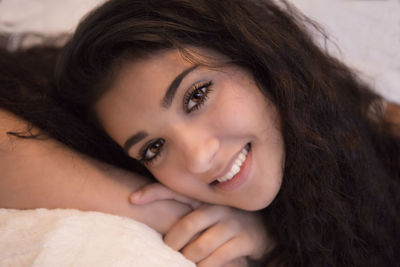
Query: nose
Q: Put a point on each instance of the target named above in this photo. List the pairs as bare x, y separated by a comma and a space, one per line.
198, 148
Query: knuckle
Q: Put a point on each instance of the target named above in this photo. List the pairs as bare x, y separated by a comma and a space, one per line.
233, 224
216, 259
198, 250
188, 225
223, 257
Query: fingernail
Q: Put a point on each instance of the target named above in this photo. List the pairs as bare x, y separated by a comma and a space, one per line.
135, 197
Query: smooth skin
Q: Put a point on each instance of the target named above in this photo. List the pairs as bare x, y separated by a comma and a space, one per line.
193, 140
42, 173
32, 178
190, 143
202, 236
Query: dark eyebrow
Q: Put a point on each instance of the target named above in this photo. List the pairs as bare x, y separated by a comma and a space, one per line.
166, 103
169, 95
134, 139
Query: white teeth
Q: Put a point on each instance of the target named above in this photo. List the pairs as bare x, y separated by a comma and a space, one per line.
235, 166
242, 157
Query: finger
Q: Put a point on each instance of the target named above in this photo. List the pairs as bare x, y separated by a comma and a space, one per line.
238, 262
210, 240
228, 253
150, 193
156, 191
192, 224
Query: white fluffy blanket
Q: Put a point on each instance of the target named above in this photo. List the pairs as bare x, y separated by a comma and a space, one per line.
61, 238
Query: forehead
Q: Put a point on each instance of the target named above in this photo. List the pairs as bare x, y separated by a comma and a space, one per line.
137, 92
145, 77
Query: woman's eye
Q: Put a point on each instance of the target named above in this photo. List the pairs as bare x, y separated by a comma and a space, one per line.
152, 151
196, 96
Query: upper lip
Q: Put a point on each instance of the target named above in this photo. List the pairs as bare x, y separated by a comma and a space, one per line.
228, 166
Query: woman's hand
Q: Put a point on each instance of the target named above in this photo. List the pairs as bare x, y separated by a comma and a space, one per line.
214, 235
211, 235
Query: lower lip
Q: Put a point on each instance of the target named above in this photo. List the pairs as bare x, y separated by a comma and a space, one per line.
240, 177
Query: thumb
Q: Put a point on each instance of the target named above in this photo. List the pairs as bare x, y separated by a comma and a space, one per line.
156, 191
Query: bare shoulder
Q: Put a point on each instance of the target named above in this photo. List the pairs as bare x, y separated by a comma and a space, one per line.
392, 115
10, 122
392, 112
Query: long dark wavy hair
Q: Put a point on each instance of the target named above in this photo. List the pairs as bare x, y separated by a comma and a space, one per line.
26, 90
338, 203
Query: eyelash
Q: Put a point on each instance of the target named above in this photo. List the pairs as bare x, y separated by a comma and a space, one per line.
191, 92
186, 100
145, 149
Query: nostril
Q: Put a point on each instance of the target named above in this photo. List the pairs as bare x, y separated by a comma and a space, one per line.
200, 158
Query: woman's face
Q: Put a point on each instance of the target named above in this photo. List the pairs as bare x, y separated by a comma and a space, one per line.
207, 133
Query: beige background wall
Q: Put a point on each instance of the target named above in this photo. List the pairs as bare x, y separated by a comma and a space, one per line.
366, 31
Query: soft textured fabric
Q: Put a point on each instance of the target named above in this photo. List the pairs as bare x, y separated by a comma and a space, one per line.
62, 238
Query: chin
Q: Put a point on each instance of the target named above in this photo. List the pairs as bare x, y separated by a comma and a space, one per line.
254, 206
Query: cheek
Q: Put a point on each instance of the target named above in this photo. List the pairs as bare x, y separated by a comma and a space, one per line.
170, 175
233, 112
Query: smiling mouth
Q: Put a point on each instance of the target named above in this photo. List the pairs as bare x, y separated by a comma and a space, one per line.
237, 164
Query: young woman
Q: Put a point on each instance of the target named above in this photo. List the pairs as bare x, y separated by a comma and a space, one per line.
38, 171
231, 102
